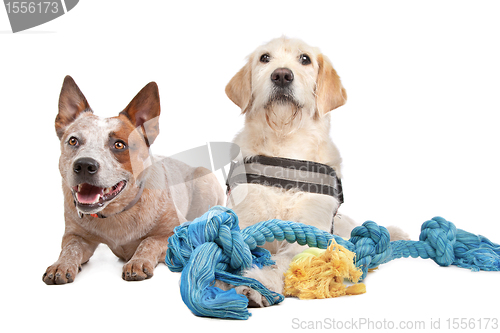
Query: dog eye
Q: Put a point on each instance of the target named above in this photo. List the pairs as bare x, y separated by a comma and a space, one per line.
265, 58
73, 141
304, 59
119, 145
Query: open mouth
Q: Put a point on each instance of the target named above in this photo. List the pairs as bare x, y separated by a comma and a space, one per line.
90, 196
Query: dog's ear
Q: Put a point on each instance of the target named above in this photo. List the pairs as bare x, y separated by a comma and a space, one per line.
239, 89
144, 111
330, 94
71, 104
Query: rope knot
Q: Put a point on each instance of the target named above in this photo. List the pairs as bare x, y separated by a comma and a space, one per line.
372, 245
222, 228
219, 226
441, 236
212, 247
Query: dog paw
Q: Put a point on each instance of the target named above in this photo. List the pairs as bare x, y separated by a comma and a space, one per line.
255, 299
61, 273
137, 270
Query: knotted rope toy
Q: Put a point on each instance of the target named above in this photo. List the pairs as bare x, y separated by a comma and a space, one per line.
213, 247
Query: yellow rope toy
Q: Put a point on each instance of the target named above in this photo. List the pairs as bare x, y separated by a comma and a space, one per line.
316, 273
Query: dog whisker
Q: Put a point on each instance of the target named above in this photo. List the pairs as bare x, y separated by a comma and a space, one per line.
286, 117
105, 202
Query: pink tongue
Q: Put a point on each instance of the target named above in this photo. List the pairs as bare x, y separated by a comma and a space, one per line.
89, 194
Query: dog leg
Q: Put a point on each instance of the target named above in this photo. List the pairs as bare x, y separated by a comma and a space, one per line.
255, 299
149, 253
272, 277
153, 249
75, 252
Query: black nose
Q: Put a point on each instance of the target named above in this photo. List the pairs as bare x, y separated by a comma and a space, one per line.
282, 77
85, 166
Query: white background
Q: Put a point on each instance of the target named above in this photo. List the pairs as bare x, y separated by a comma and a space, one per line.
419, 137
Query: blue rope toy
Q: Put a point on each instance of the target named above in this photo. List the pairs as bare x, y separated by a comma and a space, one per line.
213, 247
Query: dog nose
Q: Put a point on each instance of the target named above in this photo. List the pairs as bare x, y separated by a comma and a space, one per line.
282, 77
86, 165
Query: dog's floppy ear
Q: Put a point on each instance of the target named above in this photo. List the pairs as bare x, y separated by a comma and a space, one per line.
71, 104
239, 89
330, 94
144, 110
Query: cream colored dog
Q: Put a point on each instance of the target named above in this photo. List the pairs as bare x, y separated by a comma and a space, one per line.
286, 91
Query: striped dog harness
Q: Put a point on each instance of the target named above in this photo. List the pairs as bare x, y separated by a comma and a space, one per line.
287, 174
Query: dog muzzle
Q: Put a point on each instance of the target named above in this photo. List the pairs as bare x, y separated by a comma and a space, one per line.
130, 205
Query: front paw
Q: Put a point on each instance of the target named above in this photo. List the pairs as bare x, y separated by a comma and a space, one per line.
255, 299
137, 270
61, 273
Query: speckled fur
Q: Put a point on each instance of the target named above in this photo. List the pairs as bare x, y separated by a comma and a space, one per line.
173, 191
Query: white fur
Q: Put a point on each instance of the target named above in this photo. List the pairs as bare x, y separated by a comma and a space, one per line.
271, 129
96, 143
303, 137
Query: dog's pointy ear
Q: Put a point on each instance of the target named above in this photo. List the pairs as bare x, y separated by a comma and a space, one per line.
71, 104
330, 94
144, 112
239, 89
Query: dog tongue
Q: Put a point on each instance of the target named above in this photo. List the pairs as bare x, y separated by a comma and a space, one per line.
89, 194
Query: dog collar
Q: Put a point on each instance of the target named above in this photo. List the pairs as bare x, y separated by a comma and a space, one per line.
287, 174
130, 205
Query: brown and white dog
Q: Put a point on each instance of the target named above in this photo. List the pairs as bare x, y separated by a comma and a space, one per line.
115, 192
286, 91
